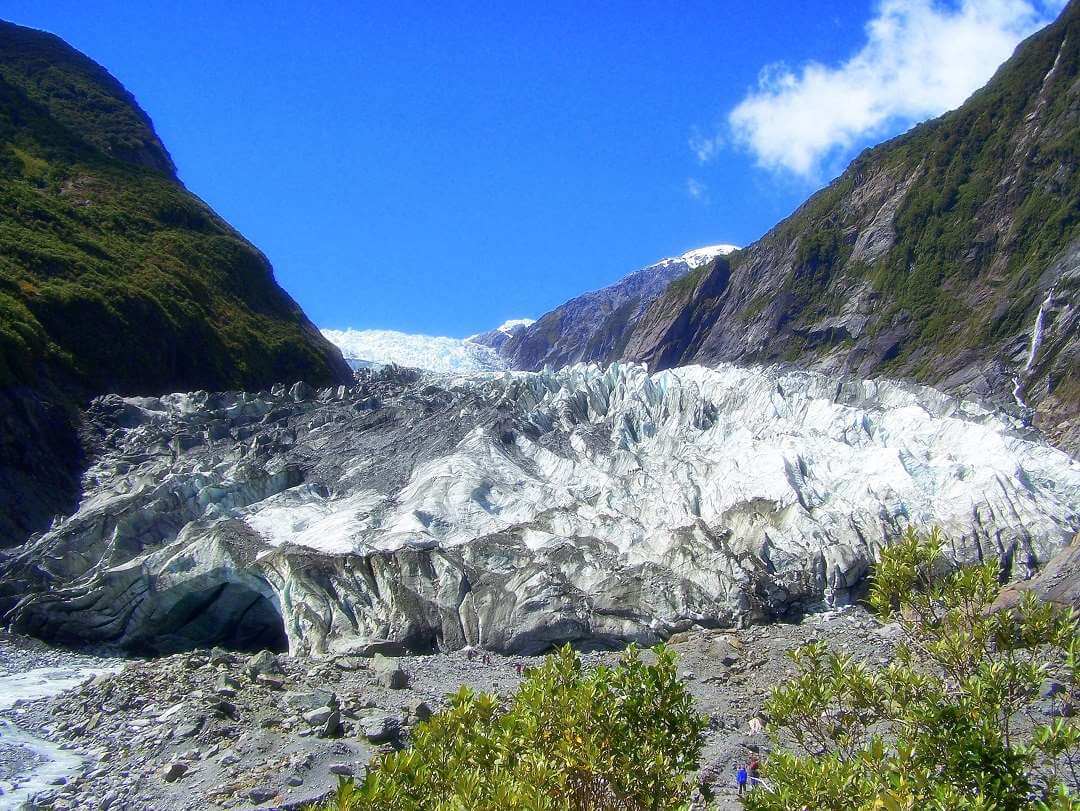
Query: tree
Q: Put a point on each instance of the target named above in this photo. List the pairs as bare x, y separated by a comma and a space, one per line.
607, 738
950, 722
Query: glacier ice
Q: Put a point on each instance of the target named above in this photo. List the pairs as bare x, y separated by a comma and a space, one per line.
519, 509
380, 347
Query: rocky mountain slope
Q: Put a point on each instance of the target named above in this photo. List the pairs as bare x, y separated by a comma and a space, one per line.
519, 509
949, 255
595, 325
113, 277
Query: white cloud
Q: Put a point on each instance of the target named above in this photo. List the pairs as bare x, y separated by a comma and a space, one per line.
697, 190
920, 59
705, 147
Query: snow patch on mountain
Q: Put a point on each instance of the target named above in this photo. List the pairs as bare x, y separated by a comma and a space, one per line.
700, 256
509, 326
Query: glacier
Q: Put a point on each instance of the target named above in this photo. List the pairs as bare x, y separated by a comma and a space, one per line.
381, 347
516, 510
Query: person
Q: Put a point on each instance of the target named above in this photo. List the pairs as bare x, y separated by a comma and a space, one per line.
740, 779
755, 771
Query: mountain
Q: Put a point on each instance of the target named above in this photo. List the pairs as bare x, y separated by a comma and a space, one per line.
520, 510
595, 325
949, 255
497, 337
113, 277
368, 348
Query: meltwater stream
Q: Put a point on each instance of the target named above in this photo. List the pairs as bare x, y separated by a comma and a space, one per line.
29, 670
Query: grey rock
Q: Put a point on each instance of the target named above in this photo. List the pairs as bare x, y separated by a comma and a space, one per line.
420, 710
332, 725
229, 758
344, 769
226, 686
261, 794
174, 771
389, 672
317, 717
273, 682
220, 656
263, 663
189, 729
379, 727
350, 663
1052, 688
310, 700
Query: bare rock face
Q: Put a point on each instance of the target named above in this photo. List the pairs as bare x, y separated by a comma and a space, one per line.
596, 325
517, 510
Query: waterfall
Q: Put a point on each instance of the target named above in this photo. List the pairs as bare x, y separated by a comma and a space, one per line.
1036, 342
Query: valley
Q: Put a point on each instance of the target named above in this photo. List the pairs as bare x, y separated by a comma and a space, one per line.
242, 557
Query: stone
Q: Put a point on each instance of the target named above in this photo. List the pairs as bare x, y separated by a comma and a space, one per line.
332, 725
344, 769
263, 663
350, 663
174, 771
223, 708
226, 686
260, 794
420, 710
389, 672
295, 780
1052, 688
222, 657
189, 729
318, 697
378, 727
273, 682
318, 716
229, 758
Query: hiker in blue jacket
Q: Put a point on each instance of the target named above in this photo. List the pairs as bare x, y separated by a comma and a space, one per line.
740, 778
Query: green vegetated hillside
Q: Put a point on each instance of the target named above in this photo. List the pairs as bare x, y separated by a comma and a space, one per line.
929, 258
113, 277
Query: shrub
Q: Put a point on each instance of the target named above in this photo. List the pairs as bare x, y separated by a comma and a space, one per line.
949, 723
607, 738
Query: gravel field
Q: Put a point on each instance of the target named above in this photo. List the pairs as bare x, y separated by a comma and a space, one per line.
216, 729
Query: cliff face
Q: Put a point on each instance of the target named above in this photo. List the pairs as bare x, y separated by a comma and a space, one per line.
949, 255
113, 277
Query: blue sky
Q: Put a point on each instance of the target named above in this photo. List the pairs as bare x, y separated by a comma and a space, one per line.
440, 168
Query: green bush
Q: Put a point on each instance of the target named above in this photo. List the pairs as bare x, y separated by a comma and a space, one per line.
607, 738
949, 723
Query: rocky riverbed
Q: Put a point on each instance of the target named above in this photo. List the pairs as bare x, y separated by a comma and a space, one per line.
216, 729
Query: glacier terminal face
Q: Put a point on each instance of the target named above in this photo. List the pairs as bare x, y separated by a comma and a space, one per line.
516, 510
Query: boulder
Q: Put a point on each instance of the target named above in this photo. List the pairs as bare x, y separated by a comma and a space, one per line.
310, 700
318, 716
420, 710
332, 726
174, 771
389, 673
380, 727
263, 663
